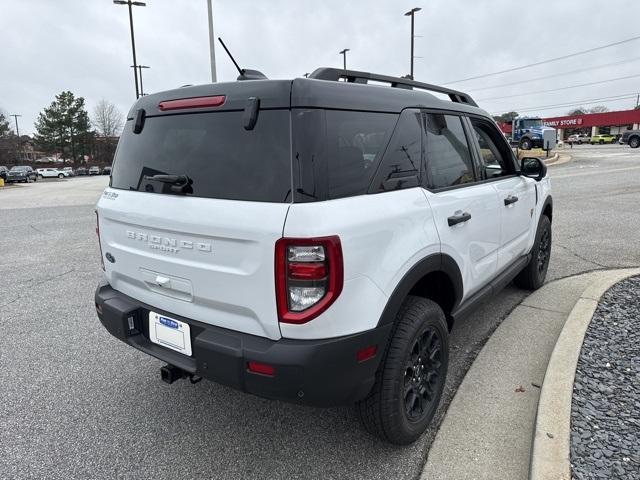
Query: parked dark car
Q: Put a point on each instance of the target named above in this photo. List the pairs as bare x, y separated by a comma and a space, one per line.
3, 172
22, 173
631, 138
81, 171
106, 171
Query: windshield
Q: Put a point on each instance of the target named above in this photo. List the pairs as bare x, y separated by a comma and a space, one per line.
531, 122
215, 152
18, 169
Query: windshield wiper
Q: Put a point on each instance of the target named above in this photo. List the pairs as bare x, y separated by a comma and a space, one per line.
179, 183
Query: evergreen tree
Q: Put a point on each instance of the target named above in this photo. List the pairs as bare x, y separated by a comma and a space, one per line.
64, 127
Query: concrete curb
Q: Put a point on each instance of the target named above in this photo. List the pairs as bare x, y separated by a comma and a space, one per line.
550, 457
551, 160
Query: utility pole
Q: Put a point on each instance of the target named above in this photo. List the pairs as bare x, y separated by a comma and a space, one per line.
344, 56
15, 116
411, 13
212, 43
133, 41
140, 67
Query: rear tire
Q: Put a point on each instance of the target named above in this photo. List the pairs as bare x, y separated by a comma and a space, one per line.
533, 275
411, 376
634, 142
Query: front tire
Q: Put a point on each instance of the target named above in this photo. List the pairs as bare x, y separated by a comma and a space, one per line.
60, 176
411, 376
533, 275
525, 144
634, 142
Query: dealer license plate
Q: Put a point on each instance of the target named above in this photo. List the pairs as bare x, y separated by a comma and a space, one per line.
170, 333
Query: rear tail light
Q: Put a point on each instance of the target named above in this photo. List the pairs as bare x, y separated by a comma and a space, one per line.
309, 277
99, 243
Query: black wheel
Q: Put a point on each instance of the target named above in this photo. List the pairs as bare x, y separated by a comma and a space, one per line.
411, 376
634, 142
60, 175
579, 142
601, 142
525, 144
533, 275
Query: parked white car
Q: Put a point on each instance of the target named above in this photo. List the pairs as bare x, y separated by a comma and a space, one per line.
52, 173
328, 280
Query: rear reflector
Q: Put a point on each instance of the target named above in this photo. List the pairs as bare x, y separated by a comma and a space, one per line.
195, 102
261, 368
366, 353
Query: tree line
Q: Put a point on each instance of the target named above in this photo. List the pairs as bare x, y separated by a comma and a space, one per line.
66, 131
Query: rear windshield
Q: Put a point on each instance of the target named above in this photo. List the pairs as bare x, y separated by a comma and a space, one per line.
222, 159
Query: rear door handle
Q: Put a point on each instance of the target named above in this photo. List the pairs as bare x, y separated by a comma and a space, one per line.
510, 199
460, 218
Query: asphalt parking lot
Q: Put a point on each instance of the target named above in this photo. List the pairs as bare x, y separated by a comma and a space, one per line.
77, 403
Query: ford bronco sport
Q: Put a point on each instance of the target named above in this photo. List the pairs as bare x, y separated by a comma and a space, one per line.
314, 240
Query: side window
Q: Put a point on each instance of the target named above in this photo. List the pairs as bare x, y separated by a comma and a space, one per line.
356, 142
400, 165
447, 151
495, 155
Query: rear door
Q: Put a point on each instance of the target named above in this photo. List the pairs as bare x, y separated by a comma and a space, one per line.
516, 194
466, 212
202, 249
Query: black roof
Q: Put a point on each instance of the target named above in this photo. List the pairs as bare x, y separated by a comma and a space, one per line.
325, 88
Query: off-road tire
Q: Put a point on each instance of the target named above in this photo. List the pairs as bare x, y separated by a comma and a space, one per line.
532, 276
384, 412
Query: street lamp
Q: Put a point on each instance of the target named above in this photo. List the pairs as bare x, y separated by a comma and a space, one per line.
212, 42
15, 116
344, 56
411, 14
140, 67
133, 42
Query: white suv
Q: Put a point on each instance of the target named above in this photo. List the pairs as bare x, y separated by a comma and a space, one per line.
51, 173
314, 240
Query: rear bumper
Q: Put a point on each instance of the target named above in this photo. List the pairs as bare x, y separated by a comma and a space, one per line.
311, 372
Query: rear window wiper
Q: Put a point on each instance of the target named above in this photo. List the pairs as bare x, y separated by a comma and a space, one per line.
178, 183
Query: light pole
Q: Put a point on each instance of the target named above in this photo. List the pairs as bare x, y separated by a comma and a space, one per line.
344, 56
411, 14
133, 42
212, 42
15, 116
140, 67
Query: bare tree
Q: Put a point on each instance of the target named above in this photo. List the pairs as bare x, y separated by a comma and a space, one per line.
107, 119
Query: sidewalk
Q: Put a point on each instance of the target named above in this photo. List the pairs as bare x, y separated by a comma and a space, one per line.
489, 427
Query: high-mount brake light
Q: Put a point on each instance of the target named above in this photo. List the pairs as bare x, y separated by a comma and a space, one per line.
99, 242
309, 277
194, 102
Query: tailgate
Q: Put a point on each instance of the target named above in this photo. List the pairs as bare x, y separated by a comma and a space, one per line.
207, 259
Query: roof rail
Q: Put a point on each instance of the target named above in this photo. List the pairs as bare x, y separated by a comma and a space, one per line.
353, 76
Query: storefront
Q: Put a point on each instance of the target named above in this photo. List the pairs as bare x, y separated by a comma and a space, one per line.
614, 123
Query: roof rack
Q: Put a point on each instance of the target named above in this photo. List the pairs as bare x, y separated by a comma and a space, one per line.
353, 76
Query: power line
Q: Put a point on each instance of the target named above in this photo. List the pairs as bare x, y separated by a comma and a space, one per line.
561, 88
555, 75
586, 101
522, 67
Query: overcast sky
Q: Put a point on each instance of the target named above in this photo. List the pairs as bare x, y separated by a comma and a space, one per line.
48, 46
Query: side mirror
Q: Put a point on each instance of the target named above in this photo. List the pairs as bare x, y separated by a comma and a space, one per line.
533, 168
